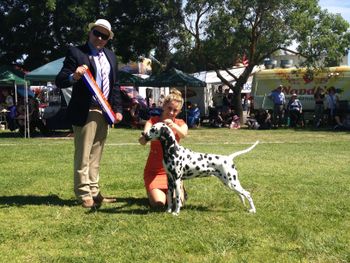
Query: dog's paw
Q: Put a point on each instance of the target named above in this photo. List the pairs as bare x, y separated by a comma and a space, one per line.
169, 210
252, 211
175, 213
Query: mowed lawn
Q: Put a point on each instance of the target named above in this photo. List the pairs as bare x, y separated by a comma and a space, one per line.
299, 180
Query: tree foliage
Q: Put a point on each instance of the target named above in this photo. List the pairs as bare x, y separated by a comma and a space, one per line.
231, 29
34, 32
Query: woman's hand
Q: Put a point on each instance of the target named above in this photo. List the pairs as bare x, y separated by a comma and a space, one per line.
169, 122
181, 130
142, 140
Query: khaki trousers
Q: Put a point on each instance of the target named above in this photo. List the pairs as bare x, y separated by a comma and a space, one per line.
89, 141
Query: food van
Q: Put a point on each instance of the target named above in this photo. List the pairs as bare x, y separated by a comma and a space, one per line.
302, 82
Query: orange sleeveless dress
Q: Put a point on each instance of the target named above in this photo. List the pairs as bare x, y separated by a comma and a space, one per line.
154, 173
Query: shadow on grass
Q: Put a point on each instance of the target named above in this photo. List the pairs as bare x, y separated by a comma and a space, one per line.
142, 207
9, 134
125, 205
22, 200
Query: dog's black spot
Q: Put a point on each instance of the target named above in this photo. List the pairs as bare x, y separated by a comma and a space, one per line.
198, 168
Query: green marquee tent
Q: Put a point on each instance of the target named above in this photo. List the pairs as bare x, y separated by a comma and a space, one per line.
49, 71
46, 72
173, 78
10, 76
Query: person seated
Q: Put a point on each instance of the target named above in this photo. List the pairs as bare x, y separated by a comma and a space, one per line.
228, 116
295, 110
135, 112
10, 107
235, 123
217, 121
264, 119
252, 122
342, 120
154, 111
193, 116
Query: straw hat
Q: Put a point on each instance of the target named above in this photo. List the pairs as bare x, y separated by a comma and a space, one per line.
102, 23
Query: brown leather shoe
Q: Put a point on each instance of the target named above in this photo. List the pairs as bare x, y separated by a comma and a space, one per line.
88, 203
99, 199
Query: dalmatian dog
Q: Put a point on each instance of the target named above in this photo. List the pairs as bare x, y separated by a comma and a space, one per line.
181, 163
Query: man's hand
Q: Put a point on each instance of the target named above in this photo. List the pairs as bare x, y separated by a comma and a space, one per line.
79, 72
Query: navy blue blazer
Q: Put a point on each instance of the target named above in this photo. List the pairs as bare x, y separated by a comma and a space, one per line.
81, 100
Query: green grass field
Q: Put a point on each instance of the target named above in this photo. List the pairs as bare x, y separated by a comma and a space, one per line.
299, 180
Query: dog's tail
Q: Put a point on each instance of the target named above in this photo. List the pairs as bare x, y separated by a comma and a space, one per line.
234, 155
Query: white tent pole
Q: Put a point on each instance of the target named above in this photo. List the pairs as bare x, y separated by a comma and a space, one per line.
26, 114
15, 93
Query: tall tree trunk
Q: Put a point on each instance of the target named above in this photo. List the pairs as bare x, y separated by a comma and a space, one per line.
237, 104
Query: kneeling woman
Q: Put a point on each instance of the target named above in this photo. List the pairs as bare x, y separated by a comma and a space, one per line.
155, 177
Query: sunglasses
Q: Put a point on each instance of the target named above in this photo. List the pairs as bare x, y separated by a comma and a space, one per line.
98, 34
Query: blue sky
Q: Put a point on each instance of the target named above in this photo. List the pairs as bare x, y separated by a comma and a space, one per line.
337, 6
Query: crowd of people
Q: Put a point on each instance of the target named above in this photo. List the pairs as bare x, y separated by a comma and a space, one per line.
223, 114
15, 112
328, 111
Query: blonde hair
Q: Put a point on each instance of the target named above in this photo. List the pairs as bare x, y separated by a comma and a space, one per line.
174, 95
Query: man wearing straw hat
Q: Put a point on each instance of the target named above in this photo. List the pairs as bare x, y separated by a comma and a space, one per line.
85, 113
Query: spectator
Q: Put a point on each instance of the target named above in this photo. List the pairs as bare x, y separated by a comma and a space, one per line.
332, 100
218, 99
235, 123
264, 119
161, 100
252, 122
9, 105
226, 100
136, 115
217, 121
319, 107
154, 110
193, 116
279, 100
295, 110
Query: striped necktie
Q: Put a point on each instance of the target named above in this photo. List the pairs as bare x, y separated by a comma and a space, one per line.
104, 74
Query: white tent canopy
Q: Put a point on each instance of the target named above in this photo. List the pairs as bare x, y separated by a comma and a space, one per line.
204, 100
211, 78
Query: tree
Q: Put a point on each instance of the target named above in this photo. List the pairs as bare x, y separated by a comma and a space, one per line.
34, 32
256, 29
